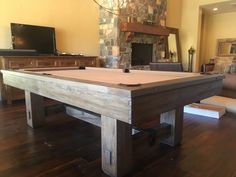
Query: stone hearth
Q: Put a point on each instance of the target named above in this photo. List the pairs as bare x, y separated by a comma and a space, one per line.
115, 45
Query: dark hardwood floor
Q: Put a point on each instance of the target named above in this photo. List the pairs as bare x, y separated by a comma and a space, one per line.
67, 147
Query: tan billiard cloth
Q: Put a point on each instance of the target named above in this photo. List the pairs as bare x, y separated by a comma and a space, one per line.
117, 76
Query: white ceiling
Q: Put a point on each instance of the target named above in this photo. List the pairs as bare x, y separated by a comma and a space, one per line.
223, 7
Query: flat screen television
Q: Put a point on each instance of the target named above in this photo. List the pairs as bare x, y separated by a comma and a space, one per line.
31, 37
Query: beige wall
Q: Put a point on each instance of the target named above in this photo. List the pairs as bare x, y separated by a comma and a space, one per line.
190, 28
173, 16
217, 26
76, 22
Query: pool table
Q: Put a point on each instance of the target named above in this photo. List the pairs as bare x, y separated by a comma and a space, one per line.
122, 99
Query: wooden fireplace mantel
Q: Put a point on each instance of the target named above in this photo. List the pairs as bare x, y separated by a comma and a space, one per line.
146, 29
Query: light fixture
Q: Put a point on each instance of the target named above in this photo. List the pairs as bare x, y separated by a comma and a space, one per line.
215, 9
114, 6
111, 6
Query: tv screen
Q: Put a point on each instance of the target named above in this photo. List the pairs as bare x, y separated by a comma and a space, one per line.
39, 38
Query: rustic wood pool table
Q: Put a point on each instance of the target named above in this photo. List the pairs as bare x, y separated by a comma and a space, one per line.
123, 100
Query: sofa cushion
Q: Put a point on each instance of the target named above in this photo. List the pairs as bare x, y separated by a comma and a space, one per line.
223, 64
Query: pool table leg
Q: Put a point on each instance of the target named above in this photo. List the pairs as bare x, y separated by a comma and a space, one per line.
116, 147
175, 119
34, 109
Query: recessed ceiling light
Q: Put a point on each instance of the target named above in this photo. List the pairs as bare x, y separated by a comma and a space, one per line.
215, 9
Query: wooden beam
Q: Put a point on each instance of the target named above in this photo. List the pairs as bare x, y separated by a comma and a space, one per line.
86, 116
175, 119
146, 29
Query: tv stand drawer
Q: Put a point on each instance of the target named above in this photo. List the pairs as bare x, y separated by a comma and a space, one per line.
45, 63
87, 62
18, 64
67, 63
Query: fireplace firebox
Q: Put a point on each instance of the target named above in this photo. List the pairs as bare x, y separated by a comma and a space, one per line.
142, 54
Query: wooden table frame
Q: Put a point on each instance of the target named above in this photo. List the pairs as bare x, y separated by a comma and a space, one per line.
120, 107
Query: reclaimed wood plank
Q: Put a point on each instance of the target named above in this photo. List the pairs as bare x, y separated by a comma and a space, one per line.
86, 116
103, 100
116, 147
175, 119
152, 105
34, 109
146, 29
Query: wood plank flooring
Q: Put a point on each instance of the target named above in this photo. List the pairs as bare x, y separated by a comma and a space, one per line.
67, 147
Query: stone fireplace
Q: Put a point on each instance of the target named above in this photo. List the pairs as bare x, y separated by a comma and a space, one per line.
133, 27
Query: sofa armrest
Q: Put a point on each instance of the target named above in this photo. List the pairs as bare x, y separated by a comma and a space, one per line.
207, 67
229, 86
230, 81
